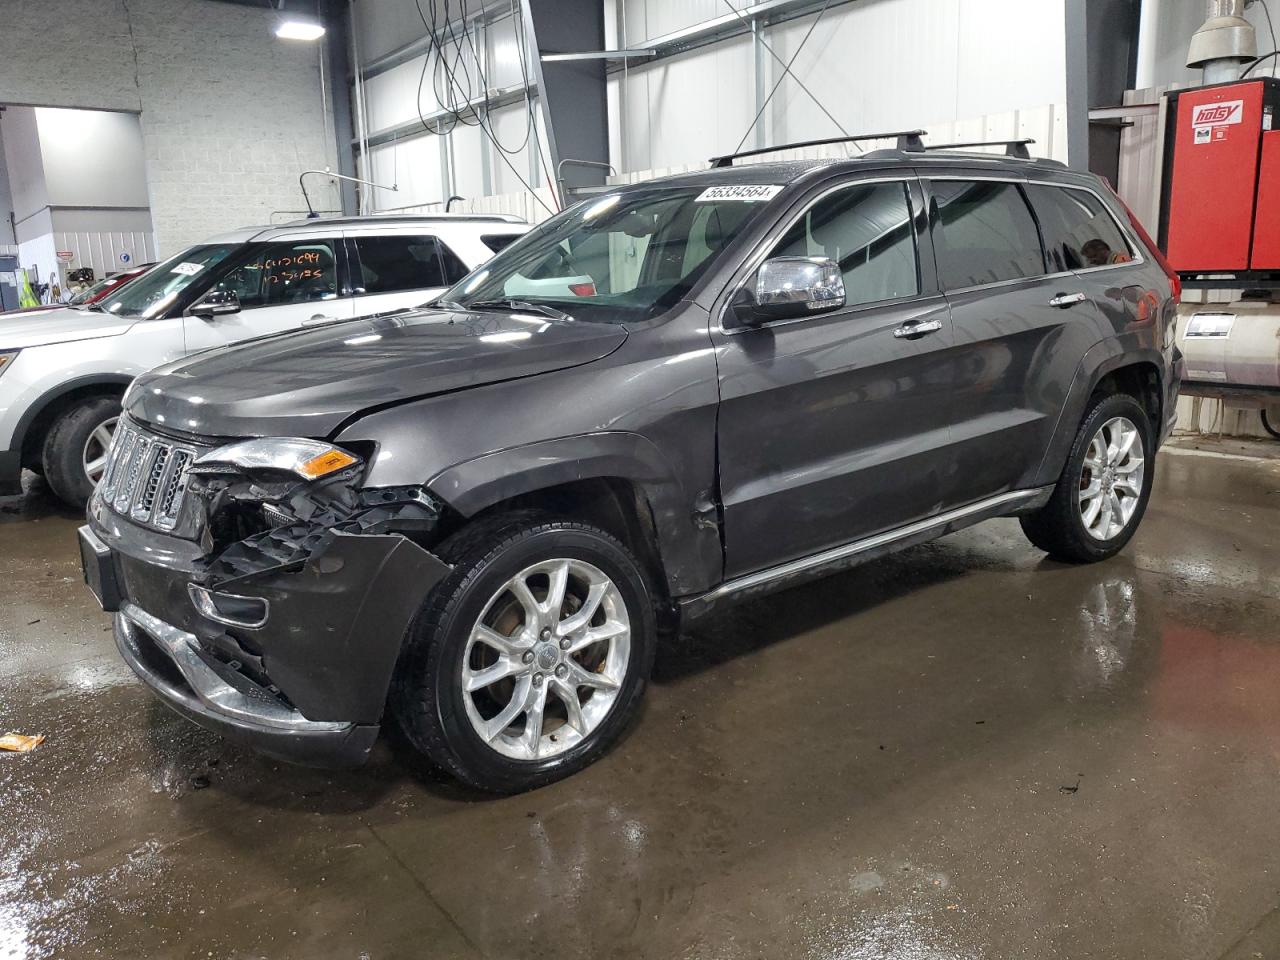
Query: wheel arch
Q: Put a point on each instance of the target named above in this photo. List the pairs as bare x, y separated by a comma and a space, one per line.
34, 425
1107, 366
618, 481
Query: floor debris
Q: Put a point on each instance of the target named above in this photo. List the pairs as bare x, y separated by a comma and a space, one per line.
20, 743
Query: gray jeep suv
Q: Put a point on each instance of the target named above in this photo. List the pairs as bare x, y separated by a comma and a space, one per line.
479, 515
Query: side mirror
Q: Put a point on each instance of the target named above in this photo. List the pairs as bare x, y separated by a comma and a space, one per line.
786, 288
215, 303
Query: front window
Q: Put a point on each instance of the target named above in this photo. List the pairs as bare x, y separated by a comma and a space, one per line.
298, 271
157, 289
623, 257
866, 229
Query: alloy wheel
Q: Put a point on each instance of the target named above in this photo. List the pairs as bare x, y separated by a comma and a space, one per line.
96, 448
1111, 478
546, 660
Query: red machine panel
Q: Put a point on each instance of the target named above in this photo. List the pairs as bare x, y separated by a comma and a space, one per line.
1215, 177
1266, 228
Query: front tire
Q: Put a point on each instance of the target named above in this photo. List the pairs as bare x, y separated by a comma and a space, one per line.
1102, 494
75, 449
529, 660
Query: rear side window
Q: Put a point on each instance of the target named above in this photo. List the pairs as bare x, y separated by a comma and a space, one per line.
497, 242
1079, 231
389, 264
866, 229
985, 234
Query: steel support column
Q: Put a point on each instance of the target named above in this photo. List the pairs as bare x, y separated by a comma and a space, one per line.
571, 93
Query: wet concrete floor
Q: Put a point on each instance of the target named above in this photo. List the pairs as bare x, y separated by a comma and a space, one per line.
962, 751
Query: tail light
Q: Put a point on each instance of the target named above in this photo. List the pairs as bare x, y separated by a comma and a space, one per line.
587, 289
1175, 281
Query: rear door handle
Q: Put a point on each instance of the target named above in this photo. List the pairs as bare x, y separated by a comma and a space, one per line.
317, 318
917, 328
1067, 299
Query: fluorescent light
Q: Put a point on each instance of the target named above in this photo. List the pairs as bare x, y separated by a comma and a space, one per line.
299, 30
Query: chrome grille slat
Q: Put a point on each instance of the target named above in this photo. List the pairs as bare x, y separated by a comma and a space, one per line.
146, 477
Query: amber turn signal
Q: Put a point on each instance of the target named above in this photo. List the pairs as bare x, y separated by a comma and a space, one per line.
325, 464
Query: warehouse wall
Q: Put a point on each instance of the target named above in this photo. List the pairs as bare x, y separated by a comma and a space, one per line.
943, 64
96, 211
874, 64
230, 114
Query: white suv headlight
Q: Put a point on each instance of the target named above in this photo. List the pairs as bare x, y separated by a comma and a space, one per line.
308, 459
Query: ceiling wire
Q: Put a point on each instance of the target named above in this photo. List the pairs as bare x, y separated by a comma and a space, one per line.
786, 69
457, 96
785, 73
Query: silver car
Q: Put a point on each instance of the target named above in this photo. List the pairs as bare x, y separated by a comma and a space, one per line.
62, 373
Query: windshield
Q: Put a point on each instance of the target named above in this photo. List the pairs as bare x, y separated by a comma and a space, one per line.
84, 295
156, 289
624, 256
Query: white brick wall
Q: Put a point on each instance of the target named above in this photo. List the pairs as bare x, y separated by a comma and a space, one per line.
230, 114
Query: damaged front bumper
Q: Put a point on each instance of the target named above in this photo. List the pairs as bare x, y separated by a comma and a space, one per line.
307, 683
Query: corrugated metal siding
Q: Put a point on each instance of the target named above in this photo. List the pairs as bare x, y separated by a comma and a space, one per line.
102, 251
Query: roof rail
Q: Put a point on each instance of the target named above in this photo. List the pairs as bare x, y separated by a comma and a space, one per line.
907, 140
1012, 148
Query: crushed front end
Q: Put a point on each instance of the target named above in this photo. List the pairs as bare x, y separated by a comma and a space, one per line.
257, 587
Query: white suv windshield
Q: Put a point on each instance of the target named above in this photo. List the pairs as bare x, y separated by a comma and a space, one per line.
623, 256
151, 293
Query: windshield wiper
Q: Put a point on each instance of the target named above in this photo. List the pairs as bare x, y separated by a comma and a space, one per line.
510, 304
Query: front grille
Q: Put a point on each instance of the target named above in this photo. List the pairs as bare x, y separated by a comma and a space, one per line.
146, 476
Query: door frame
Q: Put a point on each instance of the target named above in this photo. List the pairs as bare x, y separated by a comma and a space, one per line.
926, 263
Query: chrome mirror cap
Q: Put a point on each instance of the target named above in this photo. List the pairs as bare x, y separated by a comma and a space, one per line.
790, 287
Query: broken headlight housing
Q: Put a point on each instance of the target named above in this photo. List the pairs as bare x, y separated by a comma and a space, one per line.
306, 459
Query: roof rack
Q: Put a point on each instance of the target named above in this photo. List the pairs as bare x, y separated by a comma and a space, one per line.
907, 140
1012, 148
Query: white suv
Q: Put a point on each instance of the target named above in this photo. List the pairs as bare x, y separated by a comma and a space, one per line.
62, 374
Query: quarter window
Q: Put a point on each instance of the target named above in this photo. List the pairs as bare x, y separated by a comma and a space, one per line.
866, 229
392, 263
278, 273
1079, 231
986, 234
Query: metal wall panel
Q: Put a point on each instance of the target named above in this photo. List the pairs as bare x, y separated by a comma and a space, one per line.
102, 250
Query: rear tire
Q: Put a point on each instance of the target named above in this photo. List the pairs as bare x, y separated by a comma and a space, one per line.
78, 434
1267, 425
491, 688
1102, 494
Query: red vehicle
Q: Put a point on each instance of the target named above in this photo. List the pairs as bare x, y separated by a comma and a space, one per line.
91, 294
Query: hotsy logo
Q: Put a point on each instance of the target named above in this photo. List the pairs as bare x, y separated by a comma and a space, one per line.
1216, 114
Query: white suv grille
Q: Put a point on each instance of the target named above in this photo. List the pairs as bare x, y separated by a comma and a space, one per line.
146, 476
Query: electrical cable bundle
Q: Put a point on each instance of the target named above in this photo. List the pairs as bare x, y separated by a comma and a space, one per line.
456, 90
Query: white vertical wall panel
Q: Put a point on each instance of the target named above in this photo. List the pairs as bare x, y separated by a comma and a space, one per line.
413, 165
657, 17
101, 250
873, 64
392, 97
468, 161
689, 107
511, 127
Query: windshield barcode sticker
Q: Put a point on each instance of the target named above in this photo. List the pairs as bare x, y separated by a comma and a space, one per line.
188, 269
744, 191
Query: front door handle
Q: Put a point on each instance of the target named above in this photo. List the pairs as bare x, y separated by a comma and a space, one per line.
1067, 299
317, 318
917, 328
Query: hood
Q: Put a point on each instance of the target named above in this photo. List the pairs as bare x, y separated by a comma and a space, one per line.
59, 325
308, 382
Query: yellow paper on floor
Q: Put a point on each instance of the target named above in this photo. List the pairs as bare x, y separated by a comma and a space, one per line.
19, 743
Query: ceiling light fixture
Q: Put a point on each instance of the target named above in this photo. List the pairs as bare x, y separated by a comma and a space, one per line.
299, 30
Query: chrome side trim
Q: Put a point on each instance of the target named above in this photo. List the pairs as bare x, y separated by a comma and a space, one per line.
213, 692
835, 554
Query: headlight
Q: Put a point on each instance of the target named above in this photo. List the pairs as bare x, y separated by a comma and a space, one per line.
308, 459
7, 358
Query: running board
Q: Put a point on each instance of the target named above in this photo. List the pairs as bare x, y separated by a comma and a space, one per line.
860, 551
